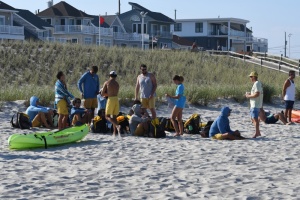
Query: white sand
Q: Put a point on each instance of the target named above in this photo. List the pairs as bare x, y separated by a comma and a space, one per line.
189, 167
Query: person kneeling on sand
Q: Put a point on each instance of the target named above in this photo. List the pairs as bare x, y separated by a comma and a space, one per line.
220, 129
269, 118
138, 124
39, 115
79, 114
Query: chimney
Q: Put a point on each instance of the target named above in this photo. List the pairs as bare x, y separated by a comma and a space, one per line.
50, 3
119, 7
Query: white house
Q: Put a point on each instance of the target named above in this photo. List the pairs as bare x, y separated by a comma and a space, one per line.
8, 31
219, 33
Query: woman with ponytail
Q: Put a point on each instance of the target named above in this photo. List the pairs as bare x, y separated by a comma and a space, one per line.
179, 105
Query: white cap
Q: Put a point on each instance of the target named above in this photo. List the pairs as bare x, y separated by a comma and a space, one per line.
113, 73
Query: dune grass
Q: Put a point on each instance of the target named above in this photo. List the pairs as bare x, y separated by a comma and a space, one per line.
30, 68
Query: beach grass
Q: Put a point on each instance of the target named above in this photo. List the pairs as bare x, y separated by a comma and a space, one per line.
30, 68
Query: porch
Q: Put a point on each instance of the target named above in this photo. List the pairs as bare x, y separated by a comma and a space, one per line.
12, 32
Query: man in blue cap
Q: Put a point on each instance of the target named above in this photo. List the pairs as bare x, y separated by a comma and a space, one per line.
220, 129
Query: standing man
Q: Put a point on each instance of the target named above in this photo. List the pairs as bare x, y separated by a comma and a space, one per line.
256, 101
90, 90
146, 85
111, 90
288, 94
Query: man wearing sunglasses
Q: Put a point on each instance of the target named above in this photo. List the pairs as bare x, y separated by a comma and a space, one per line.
146, 85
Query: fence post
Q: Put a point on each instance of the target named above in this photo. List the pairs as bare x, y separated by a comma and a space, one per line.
279, 66
244, 56
265, 55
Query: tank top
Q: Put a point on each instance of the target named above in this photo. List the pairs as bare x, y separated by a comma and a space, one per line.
290, 92
146, 85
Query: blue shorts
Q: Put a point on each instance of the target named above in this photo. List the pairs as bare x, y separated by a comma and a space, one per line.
254, 112
271, 120
289, 104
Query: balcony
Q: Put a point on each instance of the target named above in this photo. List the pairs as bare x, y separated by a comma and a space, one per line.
131, 37
12, 32
81, 29
223, 31
161, 34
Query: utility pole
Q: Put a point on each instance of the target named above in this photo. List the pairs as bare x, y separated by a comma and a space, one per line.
175, 13
290, 44
285, 43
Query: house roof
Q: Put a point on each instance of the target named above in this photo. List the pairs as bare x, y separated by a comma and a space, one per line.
33, 19
108, 20
62, 9
215, 20
154, 15
28, 35
4, 6
182, 41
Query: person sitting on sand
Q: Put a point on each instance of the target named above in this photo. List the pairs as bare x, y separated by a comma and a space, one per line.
79, 114
269, 118
220, 129
138, 123
39, 115
111, 90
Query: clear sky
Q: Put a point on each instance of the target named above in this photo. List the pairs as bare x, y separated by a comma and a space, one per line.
268, 18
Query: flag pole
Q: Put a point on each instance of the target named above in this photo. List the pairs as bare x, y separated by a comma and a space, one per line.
99, 30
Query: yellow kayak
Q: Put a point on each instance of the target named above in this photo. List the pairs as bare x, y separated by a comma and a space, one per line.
36, 140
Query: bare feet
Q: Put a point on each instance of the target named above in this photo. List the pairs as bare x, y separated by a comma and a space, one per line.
289, 123
256, 135
176, 135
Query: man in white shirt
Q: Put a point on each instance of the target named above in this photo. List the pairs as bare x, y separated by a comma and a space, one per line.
256, 101
288, 94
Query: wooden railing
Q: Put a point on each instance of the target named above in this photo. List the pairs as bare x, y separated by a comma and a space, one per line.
264, 60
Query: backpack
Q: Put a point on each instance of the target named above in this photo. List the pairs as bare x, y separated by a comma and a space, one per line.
206, 128
192, 124
98, 125
123, 121
20, 120
156, 130
167, 123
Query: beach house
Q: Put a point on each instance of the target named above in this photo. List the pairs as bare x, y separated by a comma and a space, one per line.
8, 29
155, 27
220, 33
74, 26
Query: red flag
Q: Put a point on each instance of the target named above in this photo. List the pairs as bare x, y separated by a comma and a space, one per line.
101, 20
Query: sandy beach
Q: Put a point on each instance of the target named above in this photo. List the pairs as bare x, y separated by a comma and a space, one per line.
189, 167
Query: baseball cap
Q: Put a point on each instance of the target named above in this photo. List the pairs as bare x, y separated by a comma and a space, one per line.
254, 73
112, 73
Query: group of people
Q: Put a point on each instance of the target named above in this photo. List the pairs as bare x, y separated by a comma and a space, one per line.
89, 86
145, 93
220, 128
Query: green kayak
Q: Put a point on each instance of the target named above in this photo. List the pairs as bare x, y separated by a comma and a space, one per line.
36, 140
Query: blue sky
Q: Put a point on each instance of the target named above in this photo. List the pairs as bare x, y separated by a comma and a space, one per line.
268, 18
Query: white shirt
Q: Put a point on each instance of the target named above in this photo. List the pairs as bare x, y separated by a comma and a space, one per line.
257, 102
290, 92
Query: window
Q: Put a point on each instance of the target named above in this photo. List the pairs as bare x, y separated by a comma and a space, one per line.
86, 22
49, 21
73, 40
78, 22
2, 20
137, 28
154, 29
72, 22
62, 22
116, 29
88, 40
104, 42
178, 27
163, 28
199, 27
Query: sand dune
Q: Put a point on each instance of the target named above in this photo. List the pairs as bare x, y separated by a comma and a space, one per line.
188, 167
